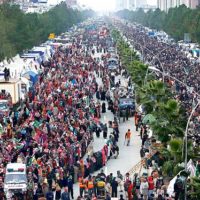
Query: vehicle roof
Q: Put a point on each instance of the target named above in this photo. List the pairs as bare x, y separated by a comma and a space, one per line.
3, 100
126, 99
15, 165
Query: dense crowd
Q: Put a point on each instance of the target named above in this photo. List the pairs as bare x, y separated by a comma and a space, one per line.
172, 61
51, 133
52, 130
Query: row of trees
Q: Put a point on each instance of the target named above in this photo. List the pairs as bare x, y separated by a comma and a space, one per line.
163, 113
176, 22
20, 31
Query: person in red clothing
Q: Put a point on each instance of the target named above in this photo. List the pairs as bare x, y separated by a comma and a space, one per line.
136, 118
130, 189
151, 185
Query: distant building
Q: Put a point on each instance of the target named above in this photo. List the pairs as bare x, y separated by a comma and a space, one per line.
164, 5
191, 3
132, 4
71, 3
122, 4
140, 3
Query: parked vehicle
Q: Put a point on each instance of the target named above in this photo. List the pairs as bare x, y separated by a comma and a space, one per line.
4, 107
15, 179
127, 103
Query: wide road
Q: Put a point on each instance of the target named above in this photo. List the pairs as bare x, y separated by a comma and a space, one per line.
128, 155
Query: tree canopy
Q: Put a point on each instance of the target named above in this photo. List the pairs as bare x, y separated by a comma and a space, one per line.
20, 31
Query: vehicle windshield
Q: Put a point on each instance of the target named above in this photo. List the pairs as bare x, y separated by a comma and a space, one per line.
112, 62
3, 106
15, 178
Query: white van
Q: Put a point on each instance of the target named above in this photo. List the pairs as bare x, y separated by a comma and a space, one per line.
15, 179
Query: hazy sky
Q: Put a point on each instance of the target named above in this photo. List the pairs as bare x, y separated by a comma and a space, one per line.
100, 5
152, 2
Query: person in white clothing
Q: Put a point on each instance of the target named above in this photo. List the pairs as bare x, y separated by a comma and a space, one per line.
144, 188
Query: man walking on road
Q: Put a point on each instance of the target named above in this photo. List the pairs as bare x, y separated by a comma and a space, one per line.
128, 137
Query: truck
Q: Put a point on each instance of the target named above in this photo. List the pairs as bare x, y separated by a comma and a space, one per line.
15, 179
13, 86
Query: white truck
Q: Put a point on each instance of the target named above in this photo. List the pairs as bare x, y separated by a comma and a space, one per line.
15, 179
13, 86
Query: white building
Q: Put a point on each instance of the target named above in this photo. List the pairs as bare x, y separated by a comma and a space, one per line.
122, 4
132, 4
164, 5
191, 3
71, 3
136, 4
140, 3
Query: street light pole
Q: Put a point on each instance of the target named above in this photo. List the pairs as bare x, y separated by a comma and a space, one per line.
172, 77
155, 56
188, 122
186, 141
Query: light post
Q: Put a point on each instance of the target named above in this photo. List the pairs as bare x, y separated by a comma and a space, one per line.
155, 56
188, 122
172, 77
186, 141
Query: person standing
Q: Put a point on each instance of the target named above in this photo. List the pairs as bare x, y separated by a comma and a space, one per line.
178, 187
151, 185
90, 186
127, 113
136, 120
70, 184
105, 131
130, 189
49, 195
128, 137
114, 185
120, 180
103, 107
65, 194
144, 186
142, 152
81, 186
58, 189
121, 197
124, 114
98, 131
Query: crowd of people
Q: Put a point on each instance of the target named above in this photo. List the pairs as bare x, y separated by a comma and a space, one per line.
172, 61
51, 133
52, 130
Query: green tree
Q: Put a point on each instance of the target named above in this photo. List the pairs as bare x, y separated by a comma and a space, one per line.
175, 22
195, 185
20, 31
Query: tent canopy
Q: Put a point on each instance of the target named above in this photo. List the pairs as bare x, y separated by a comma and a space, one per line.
31, 76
